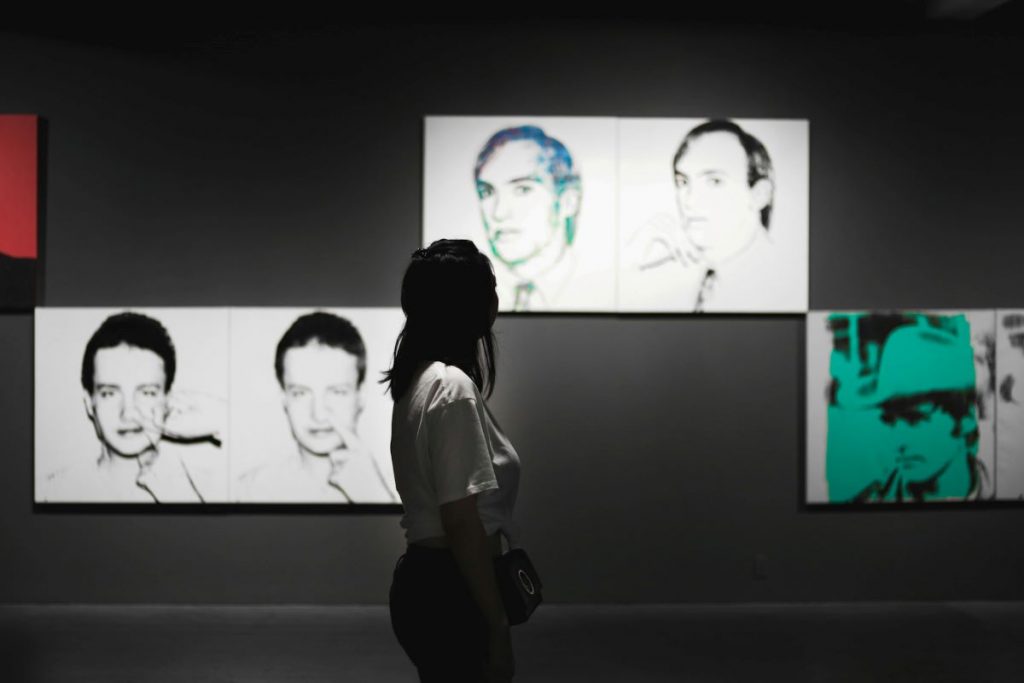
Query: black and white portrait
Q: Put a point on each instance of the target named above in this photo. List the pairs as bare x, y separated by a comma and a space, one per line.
130, 405
311, 422
713, 215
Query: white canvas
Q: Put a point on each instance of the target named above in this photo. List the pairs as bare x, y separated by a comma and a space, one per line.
819, 348
860, 428
73, 464
556, 276
1009, 388
661, 269
267, 463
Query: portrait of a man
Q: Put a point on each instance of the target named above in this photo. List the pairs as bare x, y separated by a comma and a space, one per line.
143, 430
537, 195
906, 404
724, 190
320, 368
530, 195
716, 249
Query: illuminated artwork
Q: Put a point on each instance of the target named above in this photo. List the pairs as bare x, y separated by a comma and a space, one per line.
900, 406
310, 420
537, 195
130, 406
626, 215
713, 215
213, 405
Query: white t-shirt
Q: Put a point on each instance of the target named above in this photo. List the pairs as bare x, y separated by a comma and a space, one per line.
445, 446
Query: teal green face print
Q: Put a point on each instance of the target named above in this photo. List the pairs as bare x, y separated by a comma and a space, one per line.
902, 422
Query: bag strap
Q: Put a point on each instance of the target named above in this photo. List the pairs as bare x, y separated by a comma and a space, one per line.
503, 541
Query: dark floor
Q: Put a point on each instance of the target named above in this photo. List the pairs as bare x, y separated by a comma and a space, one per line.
839, 642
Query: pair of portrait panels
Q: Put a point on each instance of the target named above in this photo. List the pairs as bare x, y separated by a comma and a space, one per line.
192, 405
589, 214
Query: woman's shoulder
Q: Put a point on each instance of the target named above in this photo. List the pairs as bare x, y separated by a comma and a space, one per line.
448, 382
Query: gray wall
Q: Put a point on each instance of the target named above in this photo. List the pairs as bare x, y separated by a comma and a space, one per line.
660, 453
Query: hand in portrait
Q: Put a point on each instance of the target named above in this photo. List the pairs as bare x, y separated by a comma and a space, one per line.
661, 242
352, 449
188, 417
194, 416
166, 477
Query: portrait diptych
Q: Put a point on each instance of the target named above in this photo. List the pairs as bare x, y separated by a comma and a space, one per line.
213, 405
626, 215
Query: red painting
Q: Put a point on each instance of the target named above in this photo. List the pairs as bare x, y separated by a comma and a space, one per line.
19, 205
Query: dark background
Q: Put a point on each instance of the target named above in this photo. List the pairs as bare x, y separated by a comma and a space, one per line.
661, 453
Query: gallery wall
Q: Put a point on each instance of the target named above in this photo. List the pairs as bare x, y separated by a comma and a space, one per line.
662, 455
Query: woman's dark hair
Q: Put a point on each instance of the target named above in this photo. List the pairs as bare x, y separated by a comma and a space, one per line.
447, 294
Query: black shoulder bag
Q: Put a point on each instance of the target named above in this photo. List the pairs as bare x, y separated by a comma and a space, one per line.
518, 583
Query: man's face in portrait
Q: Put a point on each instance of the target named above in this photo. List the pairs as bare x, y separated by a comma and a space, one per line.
923, 439
321, 390
522, 211
720, 211
128, 402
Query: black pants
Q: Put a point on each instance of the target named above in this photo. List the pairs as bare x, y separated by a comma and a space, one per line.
435, 618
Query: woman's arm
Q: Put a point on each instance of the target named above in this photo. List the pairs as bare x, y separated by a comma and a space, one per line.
472, 551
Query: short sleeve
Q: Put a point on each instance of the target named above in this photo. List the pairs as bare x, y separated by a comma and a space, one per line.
460, 458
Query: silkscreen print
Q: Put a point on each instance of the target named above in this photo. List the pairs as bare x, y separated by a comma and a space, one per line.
537, 195
213, 405
901, 406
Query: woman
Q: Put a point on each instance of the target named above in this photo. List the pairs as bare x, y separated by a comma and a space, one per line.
456, 472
